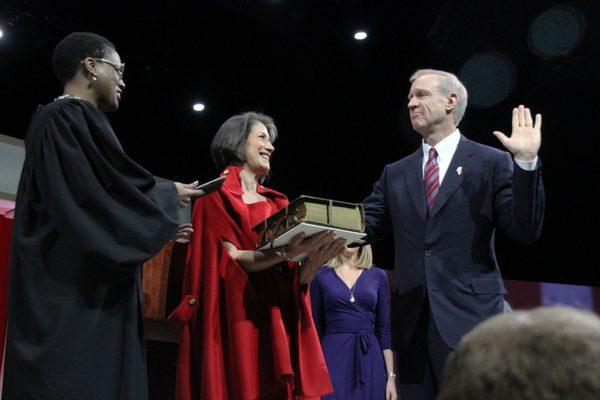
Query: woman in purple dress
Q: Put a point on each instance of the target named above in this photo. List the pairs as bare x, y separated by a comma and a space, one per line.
351, 309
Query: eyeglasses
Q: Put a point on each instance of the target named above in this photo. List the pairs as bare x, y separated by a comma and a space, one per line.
120, 68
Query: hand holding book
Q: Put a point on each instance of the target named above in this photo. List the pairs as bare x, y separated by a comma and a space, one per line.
311, 216
319, 249
321, 243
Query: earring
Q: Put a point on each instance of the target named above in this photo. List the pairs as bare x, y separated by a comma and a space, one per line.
94, 78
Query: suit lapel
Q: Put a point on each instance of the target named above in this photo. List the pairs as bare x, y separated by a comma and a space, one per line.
459, 168
414, 182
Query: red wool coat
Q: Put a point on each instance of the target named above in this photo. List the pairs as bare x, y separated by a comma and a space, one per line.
243, 336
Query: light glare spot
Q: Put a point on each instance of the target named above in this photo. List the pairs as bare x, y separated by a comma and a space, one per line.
556, 32
360, 35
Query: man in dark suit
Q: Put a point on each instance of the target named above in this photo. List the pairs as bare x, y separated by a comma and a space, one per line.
444, 203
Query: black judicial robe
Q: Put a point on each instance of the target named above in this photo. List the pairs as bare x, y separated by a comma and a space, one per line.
87, 216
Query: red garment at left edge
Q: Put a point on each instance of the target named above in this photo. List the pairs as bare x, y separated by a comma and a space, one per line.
6, 224
243, 337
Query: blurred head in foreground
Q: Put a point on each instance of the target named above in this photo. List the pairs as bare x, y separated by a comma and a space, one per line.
545, 353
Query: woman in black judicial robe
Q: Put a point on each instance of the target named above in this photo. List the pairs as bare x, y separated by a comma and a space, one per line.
87, 216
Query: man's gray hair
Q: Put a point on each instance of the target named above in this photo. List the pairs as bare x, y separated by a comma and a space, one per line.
448, 83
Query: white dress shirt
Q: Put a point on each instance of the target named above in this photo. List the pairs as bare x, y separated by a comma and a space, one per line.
446, 149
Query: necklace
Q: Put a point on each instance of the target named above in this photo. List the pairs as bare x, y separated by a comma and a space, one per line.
352, 288
66, 96
352, 299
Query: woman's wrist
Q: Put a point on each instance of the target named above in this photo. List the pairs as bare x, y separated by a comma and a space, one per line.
307, 264
282, 253
307, 272
391, 375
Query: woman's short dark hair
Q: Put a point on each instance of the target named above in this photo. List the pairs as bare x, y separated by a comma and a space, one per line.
73, 49
227, 147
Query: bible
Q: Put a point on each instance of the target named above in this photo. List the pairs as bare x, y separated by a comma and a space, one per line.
311, 215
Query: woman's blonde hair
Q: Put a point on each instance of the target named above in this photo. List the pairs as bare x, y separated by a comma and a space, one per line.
363, 258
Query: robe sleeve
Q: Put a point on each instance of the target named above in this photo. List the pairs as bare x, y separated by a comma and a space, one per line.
98, 197
210, 222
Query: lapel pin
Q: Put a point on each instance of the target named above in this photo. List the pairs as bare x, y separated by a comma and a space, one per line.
459, 170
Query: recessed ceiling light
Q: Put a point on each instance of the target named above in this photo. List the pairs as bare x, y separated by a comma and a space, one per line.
360, 35
1, 33
198, 107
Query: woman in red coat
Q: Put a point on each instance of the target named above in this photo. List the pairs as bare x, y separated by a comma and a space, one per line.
246, 325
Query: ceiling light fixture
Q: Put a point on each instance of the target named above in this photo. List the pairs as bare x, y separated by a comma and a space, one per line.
360, 35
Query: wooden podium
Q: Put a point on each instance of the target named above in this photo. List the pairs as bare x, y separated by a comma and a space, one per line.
162, 277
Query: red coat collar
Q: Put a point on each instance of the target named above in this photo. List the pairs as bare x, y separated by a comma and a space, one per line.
233, 184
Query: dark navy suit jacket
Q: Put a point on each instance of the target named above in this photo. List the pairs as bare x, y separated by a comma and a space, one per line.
449, 255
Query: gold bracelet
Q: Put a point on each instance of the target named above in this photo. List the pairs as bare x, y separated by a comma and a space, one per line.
391, 375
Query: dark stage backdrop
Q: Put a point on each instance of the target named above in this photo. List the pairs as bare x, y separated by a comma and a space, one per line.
340, 105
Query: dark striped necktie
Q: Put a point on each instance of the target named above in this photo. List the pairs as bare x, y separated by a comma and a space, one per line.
432, 179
